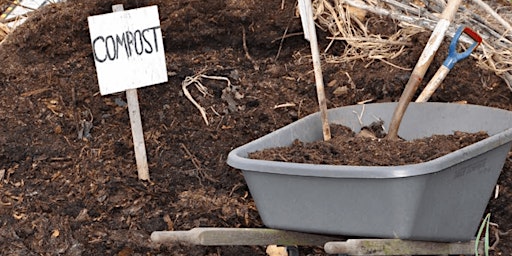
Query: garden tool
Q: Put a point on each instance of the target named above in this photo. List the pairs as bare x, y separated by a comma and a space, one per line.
450, 61
435, 40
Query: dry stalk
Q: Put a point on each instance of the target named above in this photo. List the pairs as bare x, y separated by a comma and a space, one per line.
200, 172
495, 15
338, 19
196, 80
4, 31
342, 22
246, 49
497, 60
347, 25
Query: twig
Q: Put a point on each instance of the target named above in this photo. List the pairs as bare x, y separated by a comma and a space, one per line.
495, 15
193, 158
395, 66
508, 79
394, 15
413, 10
199, 170
371, 40
497, 234
197, 81
217, 78
360, 116
281, 43
188, 81
247, 55
284, 105
23, 6
34, 92
350, 81
287, 36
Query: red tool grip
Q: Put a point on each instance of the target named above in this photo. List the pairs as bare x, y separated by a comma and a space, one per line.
473, 35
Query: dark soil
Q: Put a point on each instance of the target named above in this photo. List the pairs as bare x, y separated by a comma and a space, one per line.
61, 194
367, 149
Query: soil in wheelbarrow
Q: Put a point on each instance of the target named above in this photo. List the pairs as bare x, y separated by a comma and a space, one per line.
369, 148
68, 180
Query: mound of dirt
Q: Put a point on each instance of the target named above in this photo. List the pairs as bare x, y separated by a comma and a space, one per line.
65, 193
367, 149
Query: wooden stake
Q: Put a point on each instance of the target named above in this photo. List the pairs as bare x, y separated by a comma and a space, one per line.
239, 236
136, 125
399, 247
317, 68
332, 245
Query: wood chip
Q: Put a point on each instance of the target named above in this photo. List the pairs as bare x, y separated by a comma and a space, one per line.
274, 250
55, 233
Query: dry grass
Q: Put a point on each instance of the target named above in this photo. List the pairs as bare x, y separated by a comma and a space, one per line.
350, 25
346, 20
4, 31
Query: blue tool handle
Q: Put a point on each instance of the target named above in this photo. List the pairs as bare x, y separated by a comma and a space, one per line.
453, 55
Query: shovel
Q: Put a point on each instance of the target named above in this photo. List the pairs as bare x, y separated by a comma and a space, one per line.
421, 66
451, 60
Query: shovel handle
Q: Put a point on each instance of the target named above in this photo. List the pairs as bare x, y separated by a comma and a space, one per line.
433, 84
453, 55
421, 67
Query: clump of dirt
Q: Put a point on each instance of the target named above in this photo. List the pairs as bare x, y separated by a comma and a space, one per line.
349, 148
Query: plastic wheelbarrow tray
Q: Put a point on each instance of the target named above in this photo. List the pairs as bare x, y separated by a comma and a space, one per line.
439, 200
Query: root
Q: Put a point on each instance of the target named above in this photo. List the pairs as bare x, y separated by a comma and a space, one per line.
196, 80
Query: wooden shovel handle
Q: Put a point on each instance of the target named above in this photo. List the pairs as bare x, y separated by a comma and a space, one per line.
422, 65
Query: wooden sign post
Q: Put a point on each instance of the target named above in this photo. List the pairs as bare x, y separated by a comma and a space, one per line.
128, 53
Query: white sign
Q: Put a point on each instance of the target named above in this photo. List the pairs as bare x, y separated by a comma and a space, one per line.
128, 49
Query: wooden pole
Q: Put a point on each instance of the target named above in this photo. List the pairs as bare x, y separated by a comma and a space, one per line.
332, 244
422, 65
317, 68
136, 125
239, 236
399, 247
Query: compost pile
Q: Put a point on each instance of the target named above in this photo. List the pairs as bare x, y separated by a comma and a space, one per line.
68, 180
368, 149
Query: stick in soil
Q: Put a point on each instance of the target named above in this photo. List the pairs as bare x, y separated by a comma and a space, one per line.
138, 135
318, 72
